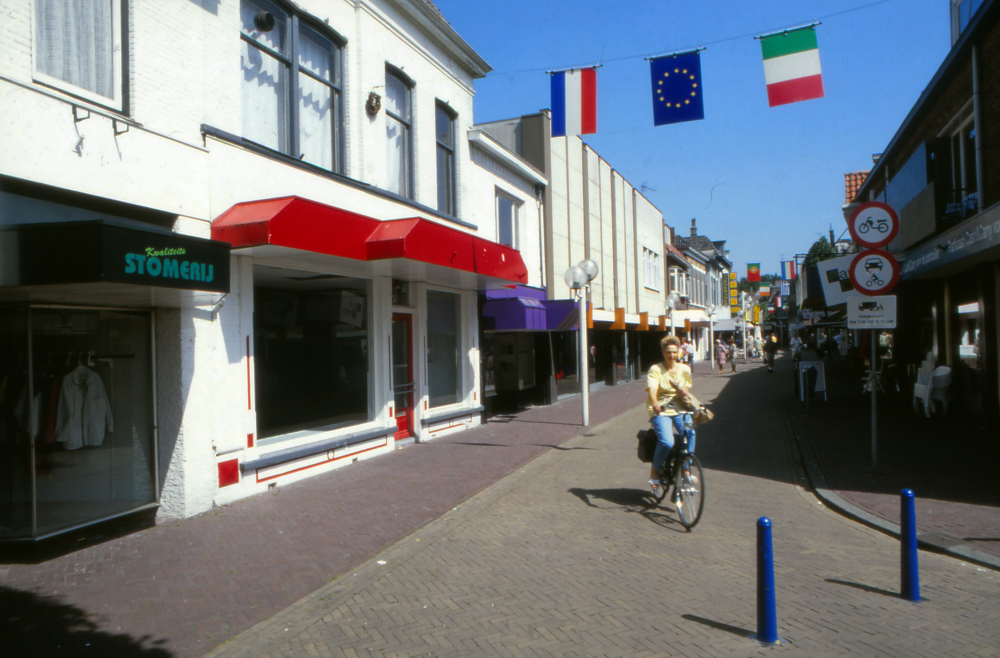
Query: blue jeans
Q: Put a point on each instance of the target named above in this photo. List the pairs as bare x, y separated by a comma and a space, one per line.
665, 436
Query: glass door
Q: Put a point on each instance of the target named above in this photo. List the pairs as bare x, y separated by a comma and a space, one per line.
402, 373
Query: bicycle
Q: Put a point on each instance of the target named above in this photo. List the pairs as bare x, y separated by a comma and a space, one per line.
683, 470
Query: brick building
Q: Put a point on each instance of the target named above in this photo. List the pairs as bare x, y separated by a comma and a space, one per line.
941, 172
241, 243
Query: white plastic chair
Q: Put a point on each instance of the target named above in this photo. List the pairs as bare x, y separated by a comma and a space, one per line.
930, 387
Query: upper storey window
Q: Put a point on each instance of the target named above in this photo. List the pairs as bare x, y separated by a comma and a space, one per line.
78, 49
291, 85
398, 126
444, 121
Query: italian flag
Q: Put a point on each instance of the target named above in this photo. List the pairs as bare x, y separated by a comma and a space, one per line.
791, 67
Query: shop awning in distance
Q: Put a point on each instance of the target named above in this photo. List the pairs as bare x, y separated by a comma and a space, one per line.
110, 252
524, 308
304, 225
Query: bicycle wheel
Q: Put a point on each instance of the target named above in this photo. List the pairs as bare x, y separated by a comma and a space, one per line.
689, 490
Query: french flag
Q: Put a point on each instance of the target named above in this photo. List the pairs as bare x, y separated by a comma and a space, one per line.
574, 102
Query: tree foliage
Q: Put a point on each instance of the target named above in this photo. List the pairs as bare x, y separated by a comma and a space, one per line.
819, 251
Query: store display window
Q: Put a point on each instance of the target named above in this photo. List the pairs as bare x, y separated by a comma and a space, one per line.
312, 356
444, 343
76, 417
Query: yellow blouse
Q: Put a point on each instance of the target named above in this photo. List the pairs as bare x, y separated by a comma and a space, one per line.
664, 381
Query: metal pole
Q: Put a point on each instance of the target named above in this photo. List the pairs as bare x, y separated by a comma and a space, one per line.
874, 384
672, 331
584, 366
909, 573
767, 615
711, 341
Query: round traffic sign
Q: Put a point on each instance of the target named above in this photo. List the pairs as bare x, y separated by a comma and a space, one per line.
873, 224
874, 272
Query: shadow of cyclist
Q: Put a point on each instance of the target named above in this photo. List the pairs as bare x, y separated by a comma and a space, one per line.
633, 501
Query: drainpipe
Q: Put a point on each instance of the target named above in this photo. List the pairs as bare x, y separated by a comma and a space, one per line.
978, 123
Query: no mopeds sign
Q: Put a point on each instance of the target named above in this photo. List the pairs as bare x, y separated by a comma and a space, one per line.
874, 272
873, 224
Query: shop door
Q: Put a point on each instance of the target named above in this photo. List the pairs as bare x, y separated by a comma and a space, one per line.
402, 373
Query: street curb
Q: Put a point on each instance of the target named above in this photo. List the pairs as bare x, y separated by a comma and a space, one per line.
814, 471
271, 634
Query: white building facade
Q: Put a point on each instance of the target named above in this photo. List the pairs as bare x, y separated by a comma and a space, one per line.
293, 196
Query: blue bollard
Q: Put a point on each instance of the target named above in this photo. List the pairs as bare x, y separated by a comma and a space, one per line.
909, 572
767, 614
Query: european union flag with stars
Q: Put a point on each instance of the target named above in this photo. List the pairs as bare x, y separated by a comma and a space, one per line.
677, 91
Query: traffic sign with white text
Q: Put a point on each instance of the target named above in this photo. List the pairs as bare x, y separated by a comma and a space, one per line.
871, 312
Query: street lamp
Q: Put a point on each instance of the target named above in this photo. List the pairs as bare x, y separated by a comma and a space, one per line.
578, 279
712, 310
673, 299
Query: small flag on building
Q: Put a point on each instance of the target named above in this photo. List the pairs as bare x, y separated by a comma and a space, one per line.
753, 272
788, 270
764, 291
677, 91
785, 287
574, 102
791, 67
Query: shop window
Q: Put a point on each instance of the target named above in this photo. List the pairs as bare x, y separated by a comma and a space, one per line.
78, 48
651, 269
312, 359
507, 220
444, 348
77, 410
291, 87
444, 121
398, 125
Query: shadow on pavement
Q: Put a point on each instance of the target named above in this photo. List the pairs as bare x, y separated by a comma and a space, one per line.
555, 447
621, 497
718, 625
33, 625
634, 501
866, 588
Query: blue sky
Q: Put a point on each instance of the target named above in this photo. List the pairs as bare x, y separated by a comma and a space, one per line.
767, 180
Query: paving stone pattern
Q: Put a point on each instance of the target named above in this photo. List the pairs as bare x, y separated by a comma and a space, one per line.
568, 557
950, 463
185, 586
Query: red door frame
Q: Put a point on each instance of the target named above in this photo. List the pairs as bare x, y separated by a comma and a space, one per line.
404, 415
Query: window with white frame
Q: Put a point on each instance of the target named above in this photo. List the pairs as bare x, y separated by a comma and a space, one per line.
673, 280
508, 212
962, 146
291, 85
444, 120
398, 125
78, 48
651, 269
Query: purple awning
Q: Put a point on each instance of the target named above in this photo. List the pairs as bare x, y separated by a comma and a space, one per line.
525, 309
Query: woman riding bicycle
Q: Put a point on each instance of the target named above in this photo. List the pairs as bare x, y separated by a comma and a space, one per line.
667, 384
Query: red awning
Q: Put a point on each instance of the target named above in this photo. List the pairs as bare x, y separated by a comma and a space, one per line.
305, 225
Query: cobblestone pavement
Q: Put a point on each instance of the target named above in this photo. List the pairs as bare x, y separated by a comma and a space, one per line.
182, 587
949, 463
568, 557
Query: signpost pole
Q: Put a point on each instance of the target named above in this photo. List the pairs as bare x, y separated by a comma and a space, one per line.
874, 384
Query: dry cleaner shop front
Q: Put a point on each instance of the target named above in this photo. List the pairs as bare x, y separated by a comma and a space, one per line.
78, 398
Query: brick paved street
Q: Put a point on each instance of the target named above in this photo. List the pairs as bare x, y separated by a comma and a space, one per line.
564, 556
950, 463
567, 557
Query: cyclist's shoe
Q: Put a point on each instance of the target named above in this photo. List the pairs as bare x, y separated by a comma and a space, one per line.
654, 485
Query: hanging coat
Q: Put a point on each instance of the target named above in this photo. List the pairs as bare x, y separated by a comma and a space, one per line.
84, 411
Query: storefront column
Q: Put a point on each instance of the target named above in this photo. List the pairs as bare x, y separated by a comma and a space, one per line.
989, 304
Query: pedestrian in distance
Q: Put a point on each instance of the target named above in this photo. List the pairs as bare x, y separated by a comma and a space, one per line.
732, 354
770, 349
758, 348
796, 346
687, 353
720, 354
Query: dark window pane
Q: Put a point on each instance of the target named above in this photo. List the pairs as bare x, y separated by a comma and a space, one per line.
444, 341
505, 221
444, 128
446, 177
311, 351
